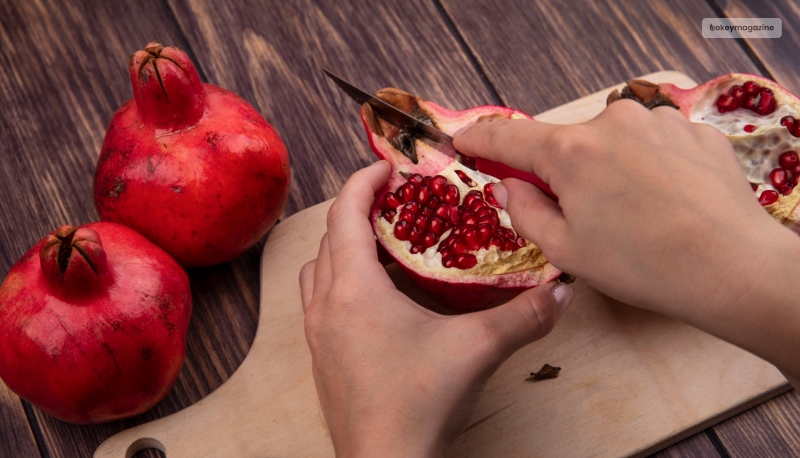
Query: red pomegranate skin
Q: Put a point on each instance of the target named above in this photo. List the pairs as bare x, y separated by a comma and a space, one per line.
191, 166
103, 341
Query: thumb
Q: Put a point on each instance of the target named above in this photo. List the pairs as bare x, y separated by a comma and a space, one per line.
526, 318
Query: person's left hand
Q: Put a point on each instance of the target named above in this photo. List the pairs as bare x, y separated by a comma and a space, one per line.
393, 378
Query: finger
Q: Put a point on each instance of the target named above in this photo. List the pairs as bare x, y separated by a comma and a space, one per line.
323, 274
534, 215
307, 283
520, 143
526, 318
352, 242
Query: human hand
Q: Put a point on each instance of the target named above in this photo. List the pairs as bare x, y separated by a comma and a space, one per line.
394, 378
654, 211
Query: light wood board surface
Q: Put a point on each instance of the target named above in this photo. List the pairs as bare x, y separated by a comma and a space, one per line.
631, 383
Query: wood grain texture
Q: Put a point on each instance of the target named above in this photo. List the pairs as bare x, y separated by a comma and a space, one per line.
542, 54
63, 74
778, 55
698, 445
16, 436
273, 53
771, 429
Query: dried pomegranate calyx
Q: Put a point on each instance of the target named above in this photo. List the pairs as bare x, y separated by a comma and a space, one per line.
73, 257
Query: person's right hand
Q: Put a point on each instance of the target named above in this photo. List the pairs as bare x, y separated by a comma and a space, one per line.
654, 211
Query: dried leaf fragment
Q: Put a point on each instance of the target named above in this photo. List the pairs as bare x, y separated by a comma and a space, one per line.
546, 372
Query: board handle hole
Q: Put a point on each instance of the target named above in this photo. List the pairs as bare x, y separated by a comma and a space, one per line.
146, 447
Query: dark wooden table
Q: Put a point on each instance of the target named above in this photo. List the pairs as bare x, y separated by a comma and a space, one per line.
63, 72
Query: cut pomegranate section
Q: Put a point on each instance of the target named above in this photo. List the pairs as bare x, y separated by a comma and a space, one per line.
758, 116
439, 219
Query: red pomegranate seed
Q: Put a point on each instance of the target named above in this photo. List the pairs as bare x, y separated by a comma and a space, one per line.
508, 245
451, 194
492, 201
768, 197
460, 247
795, 171
485, 232
496, 241
411, 207
778, 178
485, 211
391, 201
429, 240
468, 162
472, 238
490, 220
402, 230
766, 103
438, 184
478, 204
449, 261
434, 202
520, 242
416, 179
421, 222
415, 249
466, 261
457, 231
507, 233
726, 103
469, 220
488, 189
437, 226
737, 92
427, 212
406, 192
787, 188
465, 178
788, 160
791, 125
750, 88
424, 194
415, 235
407, 217
454, 215
749, 128
389, 216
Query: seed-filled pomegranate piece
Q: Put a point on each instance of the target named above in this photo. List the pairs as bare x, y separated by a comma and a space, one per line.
456, 243
761, 120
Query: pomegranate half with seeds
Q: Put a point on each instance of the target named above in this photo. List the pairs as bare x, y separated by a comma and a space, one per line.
759, 117
437, 217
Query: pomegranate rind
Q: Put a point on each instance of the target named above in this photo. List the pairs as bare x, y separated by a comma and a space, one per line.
757, 149
460, 289
97, 355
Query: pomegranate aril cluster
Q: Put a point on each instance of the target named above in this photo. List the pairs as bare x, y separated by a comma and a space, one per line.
791, 124
430, 206
784, 178
751, 96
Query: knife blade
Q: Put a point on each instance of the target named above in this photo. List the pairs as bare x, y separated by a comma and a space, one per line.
405, 121
391, 113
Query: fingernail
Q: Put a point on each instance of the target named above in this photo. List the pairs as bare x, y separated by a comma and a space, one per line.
500, 194
459, 132
562, 292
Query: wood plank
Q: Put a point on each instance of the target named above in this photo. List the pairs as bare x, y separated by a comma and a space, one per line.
273, 53
16, 436
697, 445
542, 54
63, 73
771, 429
777, 55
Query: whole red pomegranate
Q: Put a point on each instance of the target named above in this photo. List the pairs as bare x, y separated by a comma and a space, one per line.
93, 323
191, 166
760, 118
437, 216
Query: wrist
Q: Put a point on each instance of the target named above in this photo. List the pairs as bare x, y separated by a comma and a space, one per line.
389, 436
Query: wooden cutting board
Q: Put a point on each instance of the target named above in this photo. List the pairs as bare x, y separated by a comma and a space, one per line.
631, 383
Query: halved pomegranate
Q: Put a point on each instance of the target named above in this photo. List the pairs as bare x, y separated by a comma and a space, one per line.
759, 117
438, 218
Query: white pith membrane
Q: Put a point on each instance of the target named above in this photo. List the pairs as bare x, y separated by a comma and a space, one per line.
758, 151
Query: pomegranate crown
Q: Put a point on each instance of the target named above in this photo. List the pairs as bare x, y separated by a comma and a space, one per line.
166, 86
73, 257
